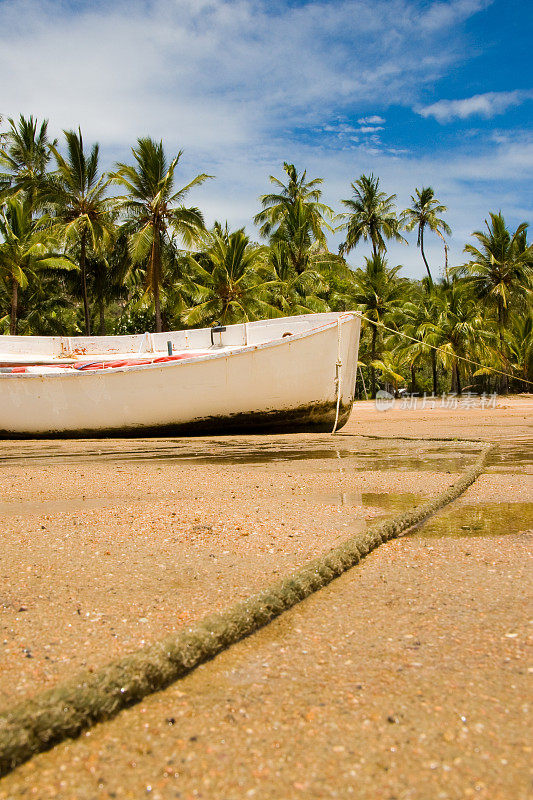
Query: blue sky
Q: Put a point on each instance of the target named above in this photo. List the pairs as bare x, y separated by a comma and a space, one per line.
419, 92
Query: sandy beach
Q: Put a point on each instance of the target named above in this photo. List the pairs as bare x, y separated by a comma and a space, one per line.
406, 678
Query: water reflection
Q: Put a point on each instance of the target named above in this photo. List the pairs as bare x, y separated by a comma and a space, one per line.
484, 519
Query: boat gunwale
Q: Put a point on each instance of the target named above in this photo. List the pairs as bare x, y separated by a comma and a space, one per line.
238, 350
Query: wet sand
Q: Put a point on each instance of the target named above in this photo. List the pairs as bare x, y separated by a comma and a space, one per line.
101, 555
153, 547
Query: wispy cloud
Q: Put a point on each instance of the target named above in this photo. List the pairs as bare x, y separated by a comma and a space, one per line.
439, 15
486, 105
374, 120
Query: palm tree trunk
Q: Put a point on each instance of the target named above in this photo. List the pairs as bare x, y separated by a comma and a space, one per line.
413, 379
504, 381
434, 370
14, 308
83, 268
373, 356
445, 252
458, 378
156, 273
424, 255
101, 307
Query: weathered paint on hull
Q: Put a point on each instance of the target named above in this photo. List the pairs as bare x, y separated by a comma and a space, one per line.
319, 418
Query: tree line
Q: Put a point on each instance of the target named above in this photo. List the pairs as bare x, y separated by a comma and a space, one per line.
82, 251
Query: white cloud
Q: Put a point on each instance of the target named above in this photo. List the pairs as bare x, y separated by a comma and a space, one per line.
485, 105
445, 14
369, 129
374, 120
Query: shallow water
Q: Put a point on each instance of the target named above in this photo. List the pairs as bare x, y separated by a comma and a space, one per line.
355, 454
383, 502
483, 519
509, 456
388, 501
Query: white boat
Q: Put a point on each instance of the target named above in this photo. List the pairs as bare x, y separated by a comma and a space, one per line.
293, 373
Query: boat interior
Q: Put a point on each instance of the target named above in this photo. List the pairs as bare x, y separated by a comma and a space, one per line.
92, 352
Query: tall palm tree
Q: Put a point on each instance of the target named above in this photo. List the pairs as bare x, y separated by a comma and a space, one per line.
24, 156
371, 215
297, 191
25, 250
76, 196
500, 270
229, 281
154, 210
377, 292
424, 213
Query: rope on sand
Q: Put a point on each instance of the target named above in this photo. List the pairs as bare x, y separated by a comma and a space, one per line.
39, 723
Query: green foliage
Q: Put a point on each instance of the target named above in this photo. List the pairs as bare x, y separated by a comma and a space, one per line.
27, 248
371, 216
297, 192
230, 282
24, 157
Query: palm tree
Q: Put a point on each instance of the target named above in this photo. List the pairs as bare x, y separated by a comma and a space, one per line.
298, 191
424, 212
294, 292
295, 235
378, 293
25, 250
500, 270
229, 281
152, 211
45, 307
24, 156
370, 215
75, 193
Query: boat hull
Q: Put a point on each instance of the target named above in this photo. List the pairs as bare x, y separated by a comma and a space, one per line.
291, 383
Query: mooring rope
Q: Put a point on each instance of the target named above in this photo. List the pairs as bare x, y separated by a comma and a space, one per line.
442, 350
39, 723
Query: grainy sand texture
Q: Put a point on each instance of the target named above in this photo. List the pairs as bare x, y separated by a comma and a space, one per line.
405, 678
